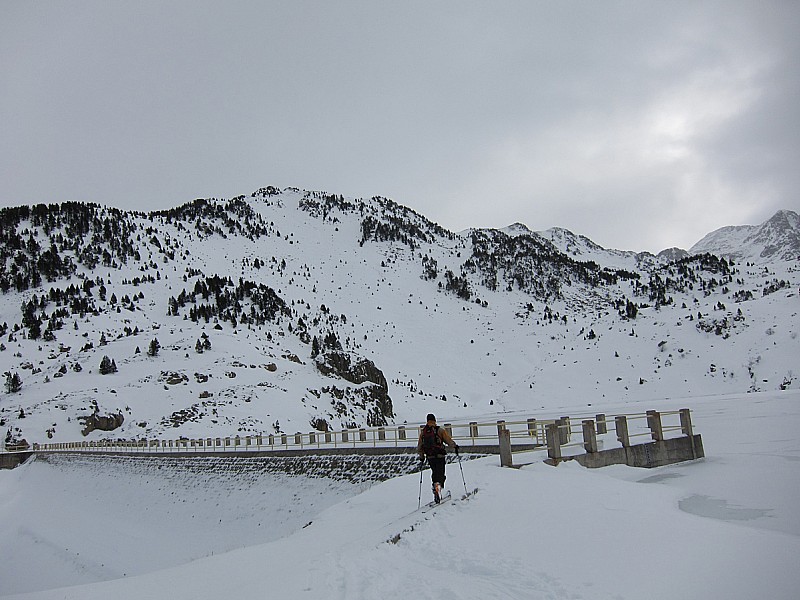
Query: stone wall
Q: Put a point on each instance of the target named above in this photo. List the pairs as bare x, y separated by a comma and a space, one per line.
352, 468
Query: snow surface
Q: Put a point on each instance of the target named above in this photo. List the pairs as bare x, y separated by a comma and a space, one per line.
725, 527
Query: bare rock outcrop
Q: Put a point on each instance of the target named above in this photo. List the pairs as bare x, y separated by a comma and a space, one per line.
102, 422
373, 398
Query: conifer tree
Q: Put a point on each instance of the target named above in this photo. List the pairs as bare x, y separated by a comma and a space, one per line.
13, 383
107, 366
630, 310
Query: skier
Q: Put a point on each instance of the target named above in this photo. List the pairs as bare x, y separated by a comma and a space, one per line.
431, 443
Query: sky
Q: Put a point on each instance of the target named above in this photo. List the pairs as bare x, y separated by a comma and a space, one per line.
642, 125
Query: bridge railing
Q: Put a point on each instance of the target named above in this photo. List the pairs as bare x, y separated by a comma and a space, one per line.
558, 436
526, 432
567, 435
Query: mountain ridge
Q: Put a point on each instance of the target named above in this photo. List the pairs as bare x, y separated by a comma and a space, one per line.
777, 239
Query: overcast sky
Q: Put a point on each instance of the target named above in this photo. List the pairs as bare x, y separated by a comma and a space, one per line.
642, 125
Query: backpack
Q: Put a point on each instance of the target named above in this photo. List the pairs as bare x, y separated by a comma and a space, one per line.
432, 443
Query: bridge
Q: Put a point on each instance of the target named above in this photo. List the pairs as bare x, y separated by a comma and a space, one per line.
646, 440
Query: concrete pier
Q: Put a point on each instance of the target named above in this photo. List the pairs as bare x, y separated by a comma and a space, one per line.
649, 455
11, 460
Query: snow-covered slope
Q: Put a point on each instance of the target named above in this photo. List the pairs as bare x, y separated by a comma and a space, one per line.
289, 310
582, 248
724, 527
253, 301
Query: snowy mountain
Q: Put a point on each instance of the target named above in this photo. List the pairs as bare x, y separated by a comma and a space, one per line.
582, 248
776, 240
288, 310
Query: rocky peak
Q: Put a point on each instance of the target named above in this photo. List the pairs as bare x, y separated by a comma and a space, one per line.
777, 239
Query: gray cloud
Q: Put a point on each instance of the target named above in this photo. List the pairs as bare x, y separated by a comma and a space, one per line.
642, 125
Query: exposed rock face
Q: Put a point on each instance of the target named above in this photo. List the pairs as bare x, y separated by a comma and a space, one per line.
355, 370
101, 422
358, 371
173, 378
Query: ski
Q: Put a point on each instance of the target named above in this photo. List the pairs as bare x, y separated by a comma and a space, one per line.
433, 504
448, 498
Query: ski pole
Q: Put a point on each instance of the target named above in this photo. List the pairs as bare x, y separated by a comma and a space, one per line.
421, 468
464, 481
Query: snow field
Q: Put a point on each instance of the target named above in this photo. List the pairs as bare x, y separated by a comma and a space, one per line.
723, 527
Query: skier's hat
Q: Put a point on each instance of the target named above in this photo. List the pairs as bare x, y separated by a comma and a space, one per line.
430, 417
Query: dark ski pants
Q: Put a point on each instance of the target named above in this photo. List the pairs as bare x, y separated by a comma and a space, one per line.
437, 469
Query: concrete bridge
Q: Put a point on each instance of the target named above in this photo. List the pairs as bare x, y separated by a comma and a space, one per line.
646, 440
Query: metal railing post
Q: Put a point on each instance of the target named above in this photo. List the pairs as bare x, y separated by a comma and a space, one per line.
686, 428
553, 435
589, 436
565, 429
654, 423
621, 425
686, 422
602, 427
504, 437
